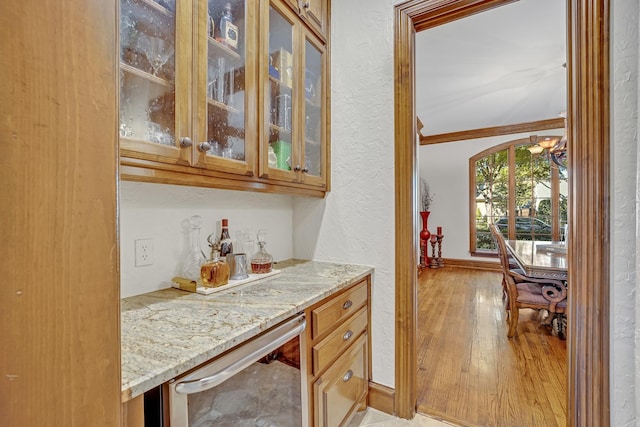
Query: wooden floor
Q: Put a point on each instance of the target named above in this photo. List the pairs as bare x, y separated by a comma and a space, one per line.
469, 372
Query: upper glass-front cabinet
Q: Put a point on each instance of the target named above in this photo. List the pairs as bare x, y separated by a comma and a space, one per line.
293, 146
224, 96
148, 79
223, 93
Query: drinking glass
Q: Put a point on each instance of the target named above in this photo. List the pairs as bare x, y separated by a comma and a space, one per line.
157, 50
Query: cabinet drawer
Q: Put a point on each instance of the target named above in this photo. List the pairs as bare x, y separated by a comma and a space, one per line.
332, 346
341, 390
327, 316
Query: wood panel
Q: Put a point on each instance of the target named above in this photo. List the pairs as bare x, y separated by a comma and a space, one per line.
589, 214
469, 372
381, 398
492, 131
59, 314
406, 195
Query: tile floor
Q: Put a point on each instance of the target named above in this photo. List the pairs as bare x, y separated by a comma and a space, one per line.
372, 417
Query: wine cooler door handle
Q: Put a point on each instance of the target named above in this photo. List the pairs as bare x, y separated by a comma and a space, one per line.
227, 366
185, 142
347, 304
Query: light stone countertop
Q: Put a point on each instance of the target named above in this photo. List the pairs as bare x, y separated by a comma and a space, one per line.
167, 332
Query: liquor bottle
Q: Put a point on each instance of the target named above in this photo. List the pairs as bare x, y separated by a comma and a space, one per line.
228, 32
214, 272
195, 257
226, 245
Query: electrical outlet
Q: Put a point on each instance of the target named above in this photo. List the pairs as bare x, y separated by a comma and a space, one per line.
144, 252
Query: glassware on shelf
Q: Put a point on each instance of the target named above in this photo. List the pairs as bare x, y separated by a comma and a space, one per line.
157, 50
262, 261
195, 257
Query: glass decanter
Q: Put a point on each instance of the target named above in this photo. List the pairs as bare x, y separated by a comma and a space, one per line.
262, 261
214, 272
195, 257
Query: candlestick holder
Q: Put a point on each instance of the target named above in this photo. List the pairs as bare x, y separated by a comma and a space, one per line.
440, 260
434, 262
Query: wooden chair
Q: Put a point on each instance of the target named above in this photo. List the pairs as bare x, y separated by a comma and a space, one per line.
528, 292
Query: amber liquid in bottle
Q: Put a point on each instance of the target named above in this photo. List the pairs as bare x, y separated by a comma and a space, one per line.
262, 261
214, 273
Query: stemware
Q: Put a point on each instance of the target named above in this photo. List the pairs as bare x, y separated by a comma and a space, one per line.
157, 50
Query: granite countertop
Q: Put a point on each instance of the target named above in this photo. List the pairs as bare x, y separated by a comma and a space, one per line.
167, 332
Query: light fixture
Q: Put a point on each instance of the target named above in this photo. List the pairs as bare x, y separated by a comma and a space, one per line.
548, 141
535, 149
555, 147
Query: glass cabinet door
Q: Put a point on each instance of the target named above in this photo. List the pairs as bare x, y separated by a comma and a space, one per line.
147, 80
314, 154
278, 147
226, 143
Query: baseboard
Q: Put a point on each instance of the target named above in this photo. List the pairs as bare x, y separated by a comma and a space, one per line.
382, 398
470, 263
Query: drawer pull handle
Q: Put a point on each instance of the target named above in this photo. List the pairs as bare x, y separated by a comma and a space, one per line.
347, 304
347, 335
347, 376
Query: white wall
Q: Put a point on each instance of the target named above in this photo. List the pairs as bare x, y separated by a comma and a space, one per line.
625, 360
356, 221
445, 167
161, 212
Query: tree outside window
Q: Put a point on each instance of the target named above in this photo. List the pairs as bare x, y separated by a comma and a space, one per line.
522, 193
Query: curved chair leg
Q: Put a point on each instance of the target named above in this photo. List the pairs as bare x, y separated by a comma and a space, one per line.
513, 321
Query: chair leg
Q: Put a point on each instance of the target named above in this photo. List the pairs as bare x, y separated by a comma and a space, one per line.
513, 322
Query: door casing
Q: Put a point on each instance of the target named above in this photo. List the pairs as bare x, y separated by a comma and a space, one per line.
588, 122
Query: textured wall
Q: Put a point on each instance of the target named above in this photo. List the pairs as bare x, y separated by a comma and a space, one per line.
356, 221
161, 212
625, 375
446, 168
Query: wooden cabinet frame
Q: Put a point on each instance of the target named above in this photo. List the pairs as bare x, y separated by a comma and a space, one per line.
148, 162
589, 162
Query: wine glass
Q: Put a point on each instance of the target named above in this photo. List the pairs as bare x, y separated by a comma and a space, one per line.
157, 50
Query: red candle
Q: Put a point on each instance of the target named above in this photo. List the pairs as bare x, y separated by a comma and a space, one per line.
439, 231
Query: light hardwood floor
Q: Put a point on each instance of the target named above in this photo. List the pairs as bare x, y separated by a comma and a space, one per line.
469, 372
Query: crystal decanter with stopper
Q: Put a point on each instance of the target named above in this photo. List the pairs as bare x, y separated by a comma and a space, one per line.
195, 257
262, 261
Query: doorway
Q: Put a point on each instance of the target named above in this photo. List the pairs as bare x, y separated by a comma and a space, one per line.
588, 126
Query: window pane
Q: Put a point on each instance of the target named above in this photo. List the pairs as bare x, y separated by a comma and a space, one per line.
533, 195
491, 192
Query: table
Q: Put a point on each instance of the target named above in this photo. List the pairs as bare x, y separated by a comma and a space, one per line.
546, 260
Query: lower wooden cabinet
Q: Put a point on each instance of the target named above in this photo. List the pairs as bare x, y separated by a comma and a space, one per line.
342, 389
338, 354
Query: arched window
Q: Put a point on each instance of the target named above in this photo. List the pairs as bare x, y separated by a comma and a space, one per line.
524, 193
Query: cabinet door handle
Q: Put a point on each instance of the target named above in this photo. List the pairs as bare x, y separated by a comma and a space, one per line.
306, 5
185, 142
305, 169
296, 168
204, 147
347, 304
347, 376
347, 335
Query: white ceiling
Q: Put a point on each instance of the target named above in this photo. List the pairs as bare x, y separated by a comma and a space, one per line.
496, 68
